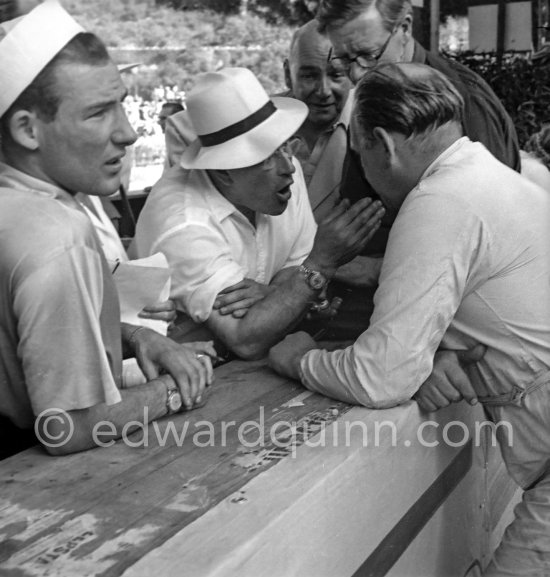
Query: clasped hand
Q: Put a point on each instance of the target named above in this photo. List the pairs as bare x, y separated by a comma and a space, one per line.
157, 354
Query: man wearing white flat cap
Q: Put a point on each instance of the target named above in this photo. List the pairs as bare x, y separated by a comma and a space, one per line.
234, 220
63, 130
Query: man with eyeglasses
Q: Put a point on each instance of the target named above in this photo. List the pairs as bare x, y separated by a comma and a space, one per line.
468, 260
364, 33
235, 223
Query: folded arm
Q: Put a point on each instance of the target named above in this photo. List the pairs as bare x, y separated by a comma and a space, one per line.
339, 238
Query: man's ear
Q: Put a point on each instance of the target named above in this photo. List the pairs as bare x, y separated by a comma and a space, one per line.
288, 79
23, 129
407, 27
386, 140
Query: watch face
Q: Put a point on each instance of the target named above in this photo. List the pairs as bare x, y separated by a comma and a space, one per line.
174, 401
317, 281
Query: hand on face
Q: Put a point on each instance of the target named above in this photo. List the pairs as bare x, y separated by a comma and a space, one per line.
344, 233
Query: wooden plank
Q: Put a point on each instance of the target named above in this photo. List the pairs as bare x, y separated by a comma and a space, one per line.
394, 544
103, 523
322, 513
294, 506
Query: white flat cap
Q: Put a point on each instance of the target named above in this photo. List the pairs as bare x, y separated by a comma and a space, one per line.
28, 43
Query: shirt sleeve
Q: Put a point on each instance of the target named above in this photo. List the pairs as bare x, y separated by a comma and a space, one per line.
432, 250
304, 216
58, 306
198, 275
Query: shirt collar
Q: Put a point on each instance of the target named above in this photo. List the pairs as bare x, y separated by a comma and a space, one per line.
345, 115
455, 146
10, 177
217, 203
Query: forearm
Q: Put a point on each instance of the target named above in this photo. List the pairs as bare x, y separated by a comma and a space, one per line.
128, 333
268, 320
101, 424
362, 271
363, 373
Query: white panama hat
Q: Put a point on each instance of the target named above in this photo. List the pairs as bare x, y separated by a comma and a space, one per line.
28, 43
236, 122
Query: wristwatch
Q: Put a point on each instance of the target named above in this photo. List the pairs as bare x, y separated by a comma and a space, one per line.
174, 402
315, 280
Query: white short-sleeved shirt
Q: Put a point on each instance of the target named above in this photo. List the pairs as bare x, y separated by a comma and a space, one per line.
59, 316
210, 245
467, 262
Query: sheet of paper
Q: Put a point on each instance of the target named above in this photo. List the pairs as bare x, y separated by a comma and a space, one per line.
140, 283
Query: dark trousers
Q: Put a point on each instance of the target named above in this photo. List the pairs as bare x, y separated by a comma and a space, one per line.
13, 439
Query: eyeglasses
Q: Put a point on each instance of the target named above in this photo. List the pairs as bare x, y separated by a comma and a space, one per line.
364, 61
286, 149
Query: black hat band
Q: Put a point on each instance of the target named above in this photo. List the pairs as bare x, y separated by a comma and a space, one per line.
241, 127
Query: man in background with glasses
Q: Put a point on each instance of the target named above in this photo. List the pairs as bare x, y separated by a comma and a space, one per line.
364, 33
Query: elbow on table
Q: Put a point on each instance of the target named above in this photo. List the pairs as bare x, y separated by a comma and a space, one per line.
380, 398
250, 351
65, 435
61, 449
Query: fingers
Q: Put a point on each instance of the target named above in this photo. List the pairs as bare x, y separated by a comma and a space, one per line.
425, 403
161, 306
240, 285
190, 376
472, 355
369, 219
202, 347
148, 368
242, 295
339, 209
167, 316
227, 299
207, 362
461, 383
245, 303
240, 313
161, 311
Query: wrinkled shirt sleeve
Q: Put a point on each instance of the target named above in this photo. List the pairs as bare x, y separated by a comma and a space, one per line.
428, 263
198, 275
60, 343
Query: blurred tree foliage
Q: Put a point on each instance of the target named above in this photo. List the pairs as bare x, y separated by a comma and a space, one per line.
180, 43
175, 45
452, 8
522, 85
273, 11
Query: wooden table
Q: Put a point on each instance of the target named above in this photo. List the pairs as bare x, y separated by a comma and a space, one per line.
378, 502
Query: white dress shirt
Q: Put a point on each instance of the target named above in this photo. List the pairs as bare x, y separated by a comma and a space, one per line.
468, 261
210, 245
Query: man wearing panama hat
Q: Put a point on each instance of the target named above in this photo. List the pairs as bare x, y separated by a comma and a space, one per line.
234, 220
64, 130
